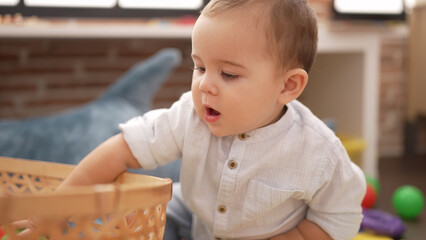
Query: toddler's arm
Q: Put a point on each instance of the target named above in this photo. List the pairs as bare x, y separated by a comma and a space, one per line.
305, 230
103, 164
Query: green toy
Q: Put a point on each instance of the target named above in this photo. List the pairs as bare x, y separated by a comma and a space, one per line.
374, 183
408, 201
6, 237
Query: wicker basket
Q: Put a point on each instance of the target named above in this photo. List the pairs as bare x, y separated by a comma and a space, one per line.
131, 208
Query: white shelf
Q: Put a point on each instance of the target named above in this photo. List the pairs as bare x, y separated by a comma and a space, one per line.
346, 83
86, 30
352, 70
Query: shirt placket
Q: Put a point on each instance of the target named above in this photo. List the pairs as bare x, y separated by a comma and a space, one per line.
227, 185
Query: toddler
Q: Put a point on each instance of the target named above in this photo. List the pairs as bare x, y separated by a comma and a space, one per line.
256, 163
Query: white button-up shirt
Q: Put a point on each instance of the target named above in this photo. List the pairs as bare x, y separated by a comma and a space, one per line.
257, 184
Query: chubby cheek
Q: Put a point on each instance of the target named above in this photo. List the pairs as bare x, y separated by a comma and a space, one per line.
196, 99
195, 88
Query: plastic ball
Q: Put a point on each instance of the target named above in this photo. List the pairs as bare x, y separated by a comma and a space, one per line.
370, 197
408, 201
374, 183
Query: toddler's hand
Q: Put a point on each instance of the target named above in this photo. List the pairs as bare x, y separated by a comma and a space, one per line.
30, 228
25, 227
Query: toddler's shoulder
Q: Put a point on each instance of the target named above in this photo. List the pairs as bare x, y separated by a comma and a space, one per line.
311, 125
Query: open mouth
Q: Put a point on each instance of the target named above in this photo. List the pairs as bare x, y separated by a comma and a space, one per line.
212, 115
212, 112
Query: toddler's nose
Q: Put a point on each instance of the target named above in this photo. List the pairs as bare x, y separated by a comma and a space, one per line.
208, 85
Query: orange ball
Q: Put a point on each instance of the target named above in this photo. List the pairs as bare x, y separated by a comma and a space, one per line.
370, 197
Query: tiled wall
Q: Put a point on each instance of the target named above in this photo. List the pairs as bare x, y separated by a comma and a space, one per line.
43, 76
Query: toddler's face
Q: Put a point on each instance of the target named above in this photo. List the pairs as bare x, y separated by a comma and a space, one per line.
235, 85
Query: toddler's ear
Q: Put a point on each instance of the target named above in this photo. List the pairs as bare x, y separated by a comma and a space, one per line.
294, 82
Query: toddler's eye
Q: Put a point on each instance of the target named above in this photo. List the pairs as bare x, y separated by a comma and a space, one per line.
200, 69
229, 76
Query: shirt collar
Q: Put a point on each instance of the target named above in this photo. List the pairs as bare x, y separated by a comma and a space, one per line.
273, 130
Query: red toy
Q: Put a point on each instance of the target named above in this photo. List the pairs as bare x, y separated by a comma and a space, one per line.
370, 197
1, 232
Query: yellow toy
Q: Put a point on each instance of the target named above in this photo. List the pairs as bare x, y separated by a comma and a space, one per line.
370, 236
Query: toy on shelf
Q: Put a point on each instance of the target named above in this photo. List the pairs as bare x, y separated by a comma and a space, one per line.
408, 201
382, 223
370, 197
354, 146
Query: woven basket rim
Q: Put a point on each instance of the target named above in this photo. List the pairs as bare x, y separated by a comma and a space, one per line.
129, 191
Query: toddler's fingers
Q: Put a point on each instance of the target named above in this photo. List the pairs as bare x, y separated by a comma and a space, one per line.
27, 225
24, 223
25, 234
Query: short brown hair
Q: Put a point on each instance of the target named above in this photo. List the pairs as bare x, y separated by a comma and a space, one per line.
293, 33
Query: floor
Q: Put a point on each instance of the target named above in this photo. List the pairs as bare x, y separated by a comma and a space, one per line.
395, 172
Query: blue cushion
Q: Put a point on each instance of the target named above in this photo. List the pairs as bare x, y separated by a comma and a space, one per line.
68, 136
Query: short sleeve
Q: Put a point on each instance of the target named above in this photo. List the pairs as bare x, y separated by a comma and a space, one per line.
156, 138
336, 204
